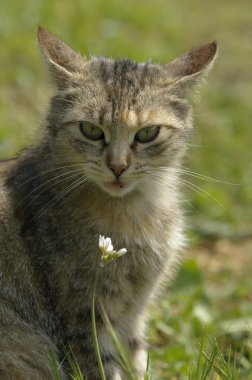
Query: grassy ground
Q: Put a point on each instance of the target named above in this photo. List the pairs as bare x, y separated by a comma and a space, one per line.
211, 293
213, 288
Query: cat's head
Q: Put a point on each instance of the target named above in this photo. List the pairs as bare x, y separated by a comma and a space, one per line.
121, 121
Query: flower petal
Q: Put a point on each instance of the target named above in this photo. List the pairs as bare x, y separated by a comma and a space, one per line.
108, 245
121, 251
107, 251
101, 241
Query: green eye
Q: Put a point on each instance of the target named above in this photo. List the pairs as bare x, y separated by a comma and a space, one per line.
147, 134
91, 131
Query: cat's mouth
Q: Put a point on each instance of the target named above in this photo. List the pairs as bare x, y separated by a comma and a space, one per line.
117, 188
115, 184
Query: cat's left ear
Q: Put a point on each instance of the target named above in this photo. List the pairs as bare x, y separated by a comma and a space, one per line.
189, 68
64, 62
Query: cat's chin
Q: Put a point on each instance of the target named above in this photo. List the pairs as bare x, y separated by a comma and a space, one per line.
117, 188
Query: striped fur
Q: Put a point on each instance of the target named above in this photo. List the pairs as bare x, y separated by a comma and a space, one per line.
61, 193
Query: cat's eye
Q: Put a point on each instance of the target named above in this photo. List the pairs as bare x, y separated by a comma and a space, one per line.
147, 134
91, 131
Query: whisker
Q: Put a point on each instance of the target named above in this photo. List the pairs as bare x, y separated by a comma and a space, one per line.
187, 171
195, 145
75, 172
82, 185
59, 196
190, 185
201, 191
202, 176
68, 190
48, 171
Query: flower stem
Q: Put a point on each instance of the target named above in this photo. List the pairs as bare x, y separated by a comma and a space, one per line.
94, 332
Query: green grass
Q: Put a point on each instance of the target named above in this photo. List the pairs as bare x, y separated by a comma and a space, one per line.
203, 300
208, 293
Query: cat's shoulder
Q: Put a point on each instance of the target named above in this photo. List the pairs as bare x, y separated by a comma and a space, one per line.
5, 167
9, 226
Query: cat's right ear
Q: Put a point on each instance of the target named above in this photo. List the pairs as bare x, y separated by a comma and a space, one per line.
189, 68
64, 62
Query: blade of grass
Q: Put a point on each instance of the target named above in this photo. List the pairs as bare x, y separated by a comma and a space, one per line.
54, 364
94, 332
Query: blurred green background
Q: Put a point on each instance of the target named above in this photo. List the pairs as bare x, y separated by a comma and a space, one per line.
214, 286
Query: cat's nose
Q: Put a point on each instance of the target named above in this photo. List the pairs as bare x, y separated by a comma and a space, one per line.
118, 168
118, 162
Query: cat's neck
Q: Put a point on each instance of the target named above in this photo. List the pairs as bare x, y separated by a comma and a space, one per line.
142, 212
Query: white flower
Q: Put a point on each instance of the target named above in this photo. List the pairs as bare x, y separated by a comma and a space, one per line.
107, 251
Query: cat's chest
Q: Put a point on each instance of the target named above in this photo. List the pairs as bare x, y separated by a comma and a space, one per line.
70, 250
120, 282
75, 239
122, 287
76, 271
75, 257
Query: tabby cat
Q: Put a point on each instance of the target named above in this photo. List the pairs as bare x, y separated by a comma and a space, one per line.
106, 163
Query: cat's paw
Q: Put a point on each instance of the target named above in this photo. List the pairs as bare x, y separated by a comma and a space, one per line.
116, 376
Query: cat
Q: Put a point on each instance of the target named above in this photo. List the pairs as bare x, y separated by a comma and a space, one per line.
105, 164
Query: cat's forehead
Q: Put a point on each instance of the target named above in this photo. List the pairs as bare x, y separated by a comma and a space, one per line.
123, 76
124, 70
142, 117
125, 92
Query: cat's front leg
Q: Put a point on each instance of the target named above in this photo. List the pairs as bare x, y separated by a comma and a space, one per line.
82, 347
139, 357
138, 362
25, 353
85, 355
135, 353
90, 370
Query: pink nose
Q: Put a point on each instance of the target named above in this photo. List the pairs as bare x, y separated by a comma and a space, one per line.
118, 168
